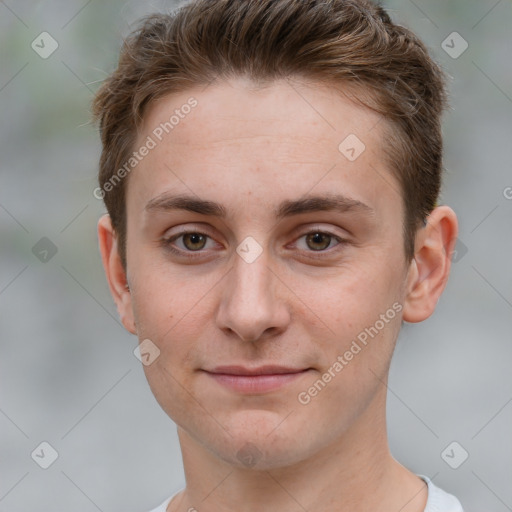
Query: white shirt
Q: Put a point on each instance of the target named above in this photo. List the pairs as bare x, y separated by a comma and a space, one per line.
437, 501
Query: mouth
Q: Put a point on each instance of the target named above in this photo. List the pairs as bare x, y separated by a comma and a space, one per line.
255, 380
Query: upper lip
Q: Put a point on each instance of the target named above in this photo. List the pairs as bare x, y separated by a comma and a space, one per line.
260, 370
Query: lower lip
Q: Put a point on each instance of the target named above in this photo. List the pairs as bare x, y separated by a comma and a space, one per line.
255, 383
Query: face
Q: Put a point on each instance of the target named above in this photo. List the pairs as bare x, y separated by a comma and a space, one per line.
254, 239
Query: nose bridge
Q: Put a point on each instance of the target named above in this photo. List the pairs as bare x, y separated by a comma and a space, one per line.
249, 305
252, 280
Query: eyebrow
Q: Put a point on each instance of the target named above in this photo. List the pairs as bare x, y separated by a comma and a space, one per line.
288, 208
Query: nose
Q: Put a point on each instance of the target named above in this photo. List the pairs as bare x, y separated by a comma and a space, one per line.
252, 302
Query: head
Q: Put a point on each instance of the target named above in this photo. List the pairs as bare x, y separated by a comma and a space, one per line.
270, 171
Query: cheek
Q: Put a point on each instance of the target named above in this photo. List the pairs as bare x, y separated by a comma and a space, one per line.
357, 312
349, 299
168, 315
173, 311
163, 297
354, 366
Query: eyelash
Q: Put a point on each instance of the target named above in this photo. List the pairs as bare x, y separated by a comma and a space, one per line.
167, 243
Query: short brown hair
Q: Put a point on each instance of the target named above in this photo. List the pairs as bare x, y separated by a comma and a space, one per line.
350, 44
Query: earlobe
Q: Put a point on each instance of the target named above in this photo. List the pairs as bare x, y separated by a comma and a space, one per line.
115, 273
429, 270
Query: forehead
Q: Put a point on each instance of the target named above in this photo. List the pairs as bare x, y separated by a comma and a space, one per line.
284, 138
283, 107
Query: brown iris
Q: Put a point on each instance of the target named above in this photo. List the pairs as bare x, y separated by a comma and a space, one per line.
194, 241
318, 241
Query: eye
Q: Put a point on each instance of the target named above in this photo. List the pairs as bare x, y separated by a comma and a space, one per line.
194, 241
191, 244
318, 241
187, 242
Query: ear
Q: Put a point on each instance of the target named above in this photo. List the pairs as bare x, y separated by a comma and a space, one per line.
430, 267
116, 276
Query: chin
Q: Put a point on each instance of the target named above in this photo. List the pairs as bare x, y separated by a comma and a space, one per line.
261, 440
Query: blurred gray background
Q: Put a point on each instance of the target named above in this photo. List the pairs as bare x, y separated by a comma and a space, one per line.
68, 375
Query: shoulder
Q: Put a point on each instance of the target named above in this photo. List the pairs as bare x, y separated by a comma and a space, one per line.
439, 500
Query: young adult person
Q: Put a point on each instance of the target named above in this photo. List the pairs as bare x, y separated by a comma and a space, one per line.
271, 171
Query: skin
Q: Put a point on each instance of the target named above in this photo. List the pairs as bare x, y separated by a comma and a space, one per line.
250, 149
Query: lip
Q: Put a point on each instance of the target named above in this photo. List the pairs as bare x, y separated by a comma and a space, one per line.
268, 369
255, 380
